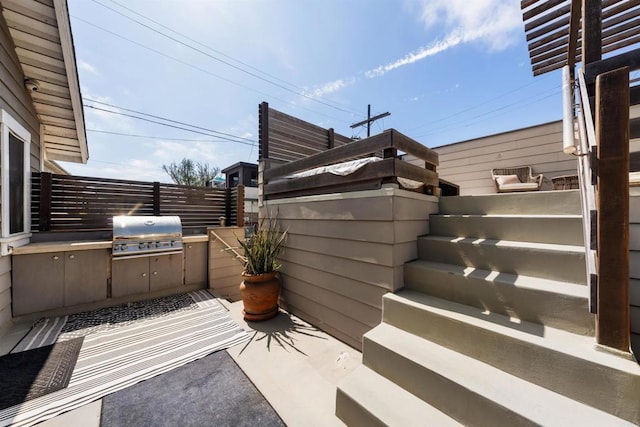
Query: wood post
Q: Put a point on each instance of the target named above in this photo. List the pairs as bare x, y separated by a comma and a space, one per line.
227, 205
240, 206
156, 198
331, 136
263, 131
44, 209
612, 200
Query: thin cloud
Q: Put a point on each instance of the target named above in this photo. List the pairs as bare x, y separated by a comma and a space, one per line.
85, 66
332, 86
412, 57
494, 23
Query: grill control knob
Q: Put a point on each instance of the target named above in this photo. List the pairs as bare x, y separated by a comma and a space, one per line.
142, 245
123, 247
158, 244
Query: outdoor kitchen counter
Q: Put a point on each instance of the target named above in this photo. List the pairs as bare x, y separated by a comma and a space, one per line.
63, 277
83, 245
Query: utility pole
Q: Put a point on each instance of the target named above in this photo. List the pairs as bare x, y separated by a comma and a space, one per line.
370, 120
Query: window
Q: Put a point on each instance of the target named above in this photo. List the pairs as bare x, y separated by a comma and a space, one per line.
15, 149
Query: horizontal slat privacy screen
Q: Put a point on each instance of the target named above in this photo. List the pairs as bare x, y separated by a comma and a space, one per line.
74, 203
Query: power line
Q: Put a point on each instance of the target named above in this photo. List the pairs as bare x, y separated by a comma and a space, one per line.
469, 122
168, 120
168, 125
218, 51
202, 70
223, 61
369, 120
486, 113
478, 105
154, 137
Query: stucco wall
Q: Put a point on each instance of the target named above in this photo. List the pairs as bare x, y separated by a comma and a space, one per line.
16, 101
345, 251
469, 163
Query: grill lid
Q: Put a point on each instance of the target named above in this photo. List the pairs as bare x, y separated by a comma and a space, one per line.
146, 227
140, 235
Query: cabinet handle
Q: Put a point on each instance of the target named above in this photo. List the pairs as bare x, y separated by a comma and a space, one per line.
144, 274
189, 246
56, 257
155, 273
72, 257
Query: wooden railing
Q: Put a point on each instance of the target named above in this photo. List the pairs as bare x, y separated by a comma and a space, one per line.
587, 145
65, 203
372, 175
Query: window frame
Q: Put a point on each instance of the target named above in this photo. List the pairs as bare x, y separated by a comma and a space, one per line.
7, 240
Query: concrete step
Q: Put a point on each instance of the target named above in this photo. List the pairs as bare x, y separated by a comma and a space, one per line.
563, 263
468, 390
532, 203
552, 303
558, 229
566, 363
365, 398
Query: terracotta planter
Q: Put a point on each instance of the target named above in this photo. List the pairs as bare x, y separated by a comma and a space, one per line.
260, 296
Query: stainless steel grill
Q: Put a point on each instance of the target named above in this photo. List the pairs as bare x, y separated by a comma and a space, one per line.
137, 236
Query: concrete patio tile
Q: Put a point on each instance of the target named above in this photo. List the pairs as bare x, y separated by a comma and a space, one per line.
295, 366
12, 336
85, 416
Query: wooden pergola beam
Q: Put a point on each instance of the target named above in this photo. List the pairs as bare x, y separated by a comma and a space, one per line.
591, 31
574, 27
629, 59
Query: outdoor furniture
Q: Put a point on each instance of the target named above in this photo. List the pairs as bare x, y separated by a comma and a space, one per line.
565, 182
519, 178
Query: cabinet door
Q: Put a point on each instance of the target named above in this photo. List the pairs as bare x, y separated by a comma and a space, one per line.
165, 272
195, 264
38, 282
129, 276
85, 276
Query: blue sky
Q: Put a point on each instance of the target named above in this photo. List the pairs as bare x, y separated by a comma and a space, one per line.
446, 70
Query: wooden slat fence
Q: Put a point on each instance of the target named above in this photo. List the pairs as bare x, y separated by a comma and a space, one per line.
75, 203
285, 138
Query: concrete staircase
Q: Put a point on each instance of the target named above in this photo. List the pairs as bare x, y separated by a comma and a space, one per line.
492, 327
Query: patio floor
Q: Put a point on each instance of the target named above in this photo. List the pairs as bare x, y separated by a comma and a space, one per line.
293, 364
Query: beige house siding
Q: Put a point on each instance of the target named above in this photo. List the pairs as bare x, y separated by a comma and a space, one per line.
13, 96
5, 291
345, 251
634, 261
16, 101
469, 163
224, 267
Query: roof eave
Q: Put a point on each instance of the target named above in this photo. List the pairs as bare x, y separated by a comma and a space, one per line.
68, 52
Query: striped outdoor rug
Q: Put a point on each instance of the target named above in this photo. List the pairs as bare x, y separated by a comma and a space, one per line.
114, 358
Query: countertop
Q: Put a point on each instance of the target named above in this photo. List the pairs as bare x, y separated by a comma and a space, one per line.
83, 245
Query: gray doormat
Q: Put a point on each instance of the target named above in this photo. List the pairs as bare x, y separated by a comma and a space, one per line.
212, 391
34, 373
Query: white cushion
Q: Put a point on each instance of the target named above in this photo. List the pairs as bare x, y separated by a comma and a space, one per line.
507, 179
522, 186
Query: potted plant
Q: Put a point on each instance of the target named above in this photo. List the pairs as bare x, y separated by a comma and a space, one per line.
260, 288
